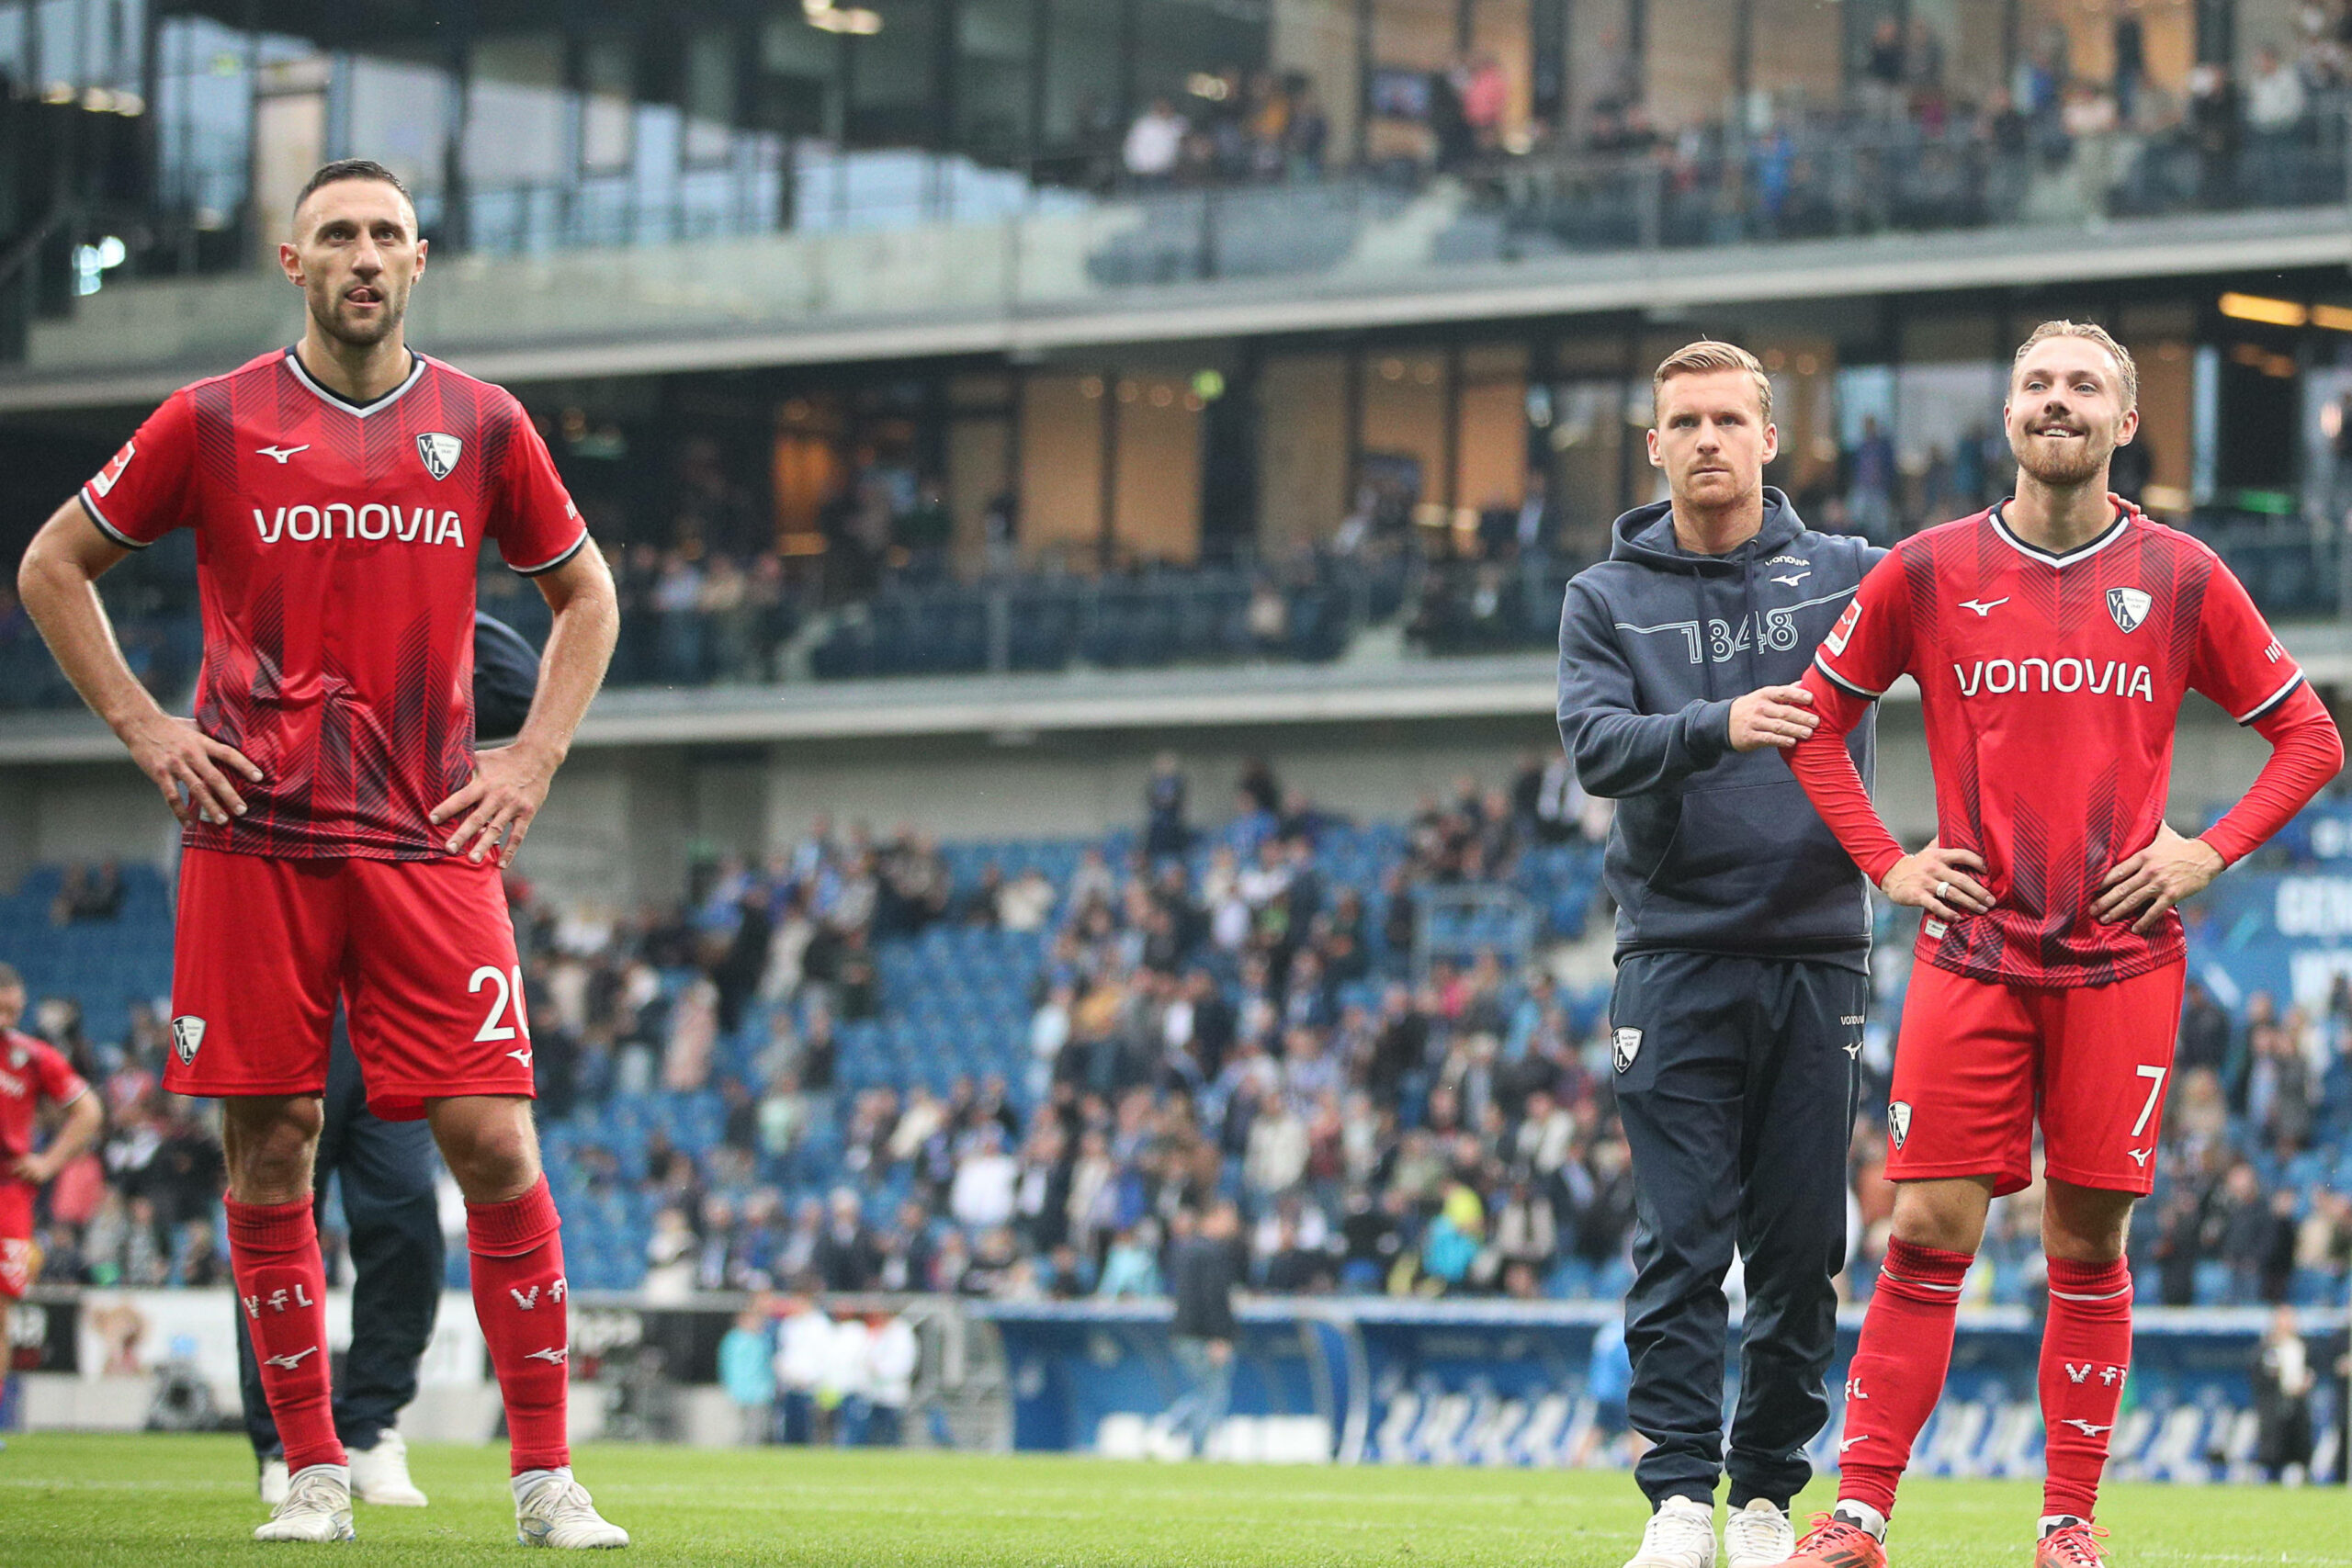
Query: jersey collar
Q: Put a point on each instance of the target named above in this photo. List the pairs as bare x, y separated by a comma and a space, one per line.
352, 405
2047, 558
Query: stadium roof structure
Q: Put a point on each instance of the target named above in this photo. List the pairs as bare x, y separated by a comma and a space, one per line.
1016, 708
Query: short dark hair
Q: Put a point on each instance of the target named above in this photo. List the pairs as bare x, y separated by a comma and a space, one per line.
353, 169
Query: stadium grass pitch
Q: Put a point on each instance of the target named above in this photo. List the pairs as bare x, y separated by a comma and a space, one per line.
71, 1500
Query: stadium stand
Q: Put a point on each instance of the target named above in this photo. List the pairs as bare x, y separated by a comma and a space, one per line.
1006, 1069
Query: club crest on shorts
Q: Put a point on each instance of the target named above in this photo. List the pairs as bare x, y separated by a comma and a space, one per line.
1898, 1122
1624, 1046
440, 454
2129, 606
187, 1036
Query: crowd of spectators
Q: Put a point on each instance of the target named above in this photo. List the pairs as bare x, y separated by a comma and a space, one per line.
1765, 160
1215, 1019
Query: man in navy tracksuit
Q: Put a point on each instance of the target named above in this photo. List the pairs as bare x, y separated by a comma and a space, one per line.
1742, 944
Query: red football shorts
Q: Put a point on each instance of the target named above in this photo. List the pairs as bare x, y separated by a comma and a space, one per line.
16, 1245
1975, 1060
422, 952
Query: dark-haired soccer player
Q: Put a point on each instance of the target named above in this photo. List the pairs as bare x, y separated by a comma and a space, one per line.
2053, 638
343, 836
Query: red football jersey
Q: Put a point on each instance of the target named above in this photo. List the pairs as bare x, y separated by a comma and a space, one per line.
31, 1070
336, 547
2050, 685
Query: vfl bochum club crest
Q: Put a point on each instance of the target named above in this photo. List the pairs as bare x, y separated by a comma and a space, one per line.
187, 1035
2129, 606
1627, 1044
440, 454
1898, 1122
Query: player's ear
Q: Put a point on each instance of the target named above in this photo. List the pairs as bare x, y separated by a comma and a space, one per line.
1772, 441
2129, 428
290, 261
422, 247
1650, 436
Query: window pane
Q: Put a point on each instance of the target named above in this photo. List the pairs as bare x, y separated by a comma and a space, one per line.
515, 113
710, 96
893, 94
992, 79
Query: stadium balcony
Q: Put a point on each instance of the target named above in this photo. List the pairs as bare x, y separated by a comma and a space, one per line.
1409, 635
899, 255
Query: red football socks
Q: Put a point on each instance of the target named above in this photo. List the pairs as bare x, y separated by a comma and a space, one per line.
519, 1297
2086, 1351
1899, 1369
281, 1294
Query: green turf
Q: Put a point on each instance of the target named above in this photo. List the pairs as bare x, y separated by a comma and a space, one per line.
181, 1501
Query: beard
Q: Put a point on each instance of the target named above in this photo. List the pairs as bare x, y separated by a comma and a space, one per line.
355, 331
2065, 467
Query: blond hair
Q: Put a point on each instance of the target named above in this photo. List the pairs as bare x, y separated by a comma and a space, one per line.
1705, 356
2089, 332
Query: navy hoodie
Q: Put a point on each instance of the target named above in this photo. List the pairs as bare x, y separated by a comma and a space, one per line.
1712, 849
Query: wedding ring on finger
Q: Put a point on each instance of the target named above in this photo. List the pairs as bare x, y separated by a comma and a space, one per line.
1942, 888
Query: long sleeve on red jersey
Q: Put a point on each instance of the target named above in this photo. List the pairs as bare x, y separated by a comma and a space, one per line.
2243, 667
1825, 769
2305, 754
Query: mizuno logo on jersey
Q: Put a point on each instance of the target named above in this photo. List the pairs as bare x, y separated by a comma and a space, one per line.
554, 1355
336, 519
294, 1361
283, 454
1983, 607
2000, 677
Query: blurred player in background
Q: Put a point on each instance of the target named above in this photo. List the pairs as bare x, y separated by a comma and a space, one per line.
32, 1072
1743, 953
344, 839
2053, 638
389, 1208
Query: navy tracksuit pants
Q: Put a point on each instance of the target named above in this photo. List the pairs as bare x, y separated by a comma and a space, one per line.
385, 1170
1735, 1081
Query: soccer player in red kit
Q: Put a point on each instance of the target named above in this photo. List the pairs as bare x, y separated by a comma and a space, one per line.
2053, 638
32, 1071
342, 837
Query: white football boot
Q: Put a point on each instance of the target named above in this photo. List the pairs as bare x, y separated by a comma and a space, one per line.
317, 1507
273, 1480
552, 1509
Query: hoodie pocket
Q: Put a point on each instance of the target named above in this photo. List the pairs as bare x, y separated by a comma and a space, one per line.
1724, 849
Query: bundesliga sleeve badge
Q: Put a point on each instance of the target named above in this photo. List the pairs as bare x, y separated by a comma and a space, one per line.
439, 451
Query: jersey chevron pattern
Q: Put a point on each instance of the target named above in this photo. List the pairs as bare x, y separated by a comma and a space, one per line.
2050, 685
336, 550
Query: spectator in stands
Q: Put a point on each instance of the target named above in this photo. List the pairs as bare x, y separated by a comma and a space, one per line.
1165, 832
847, 1257
1155, 143
2204, 1039
88, 893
